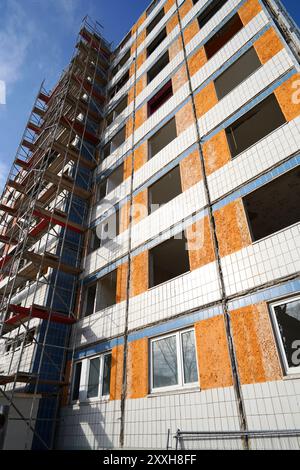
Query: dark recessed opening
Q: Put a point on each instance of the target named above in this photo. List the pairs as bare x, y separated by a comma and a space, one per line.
151, 7
114, 143
247, 64
122, 62
168, 260
162, 138
106, 292
274, 206
158, 66
161, 97
156, 42
210, 11
254, 125
123, 80
125, 40
90, 300
117, 110
155, 21
227, 32
165, 189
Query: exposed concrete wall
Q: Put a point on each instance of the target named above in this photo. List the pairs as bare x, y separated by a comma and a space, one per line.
138, 369
255, 345
232, 228
122, 273
205, 99
116, 376
288, 97
249, 10
213, 356
200, 244
190, 170
216, 152
268, 45
139, 274
197, 60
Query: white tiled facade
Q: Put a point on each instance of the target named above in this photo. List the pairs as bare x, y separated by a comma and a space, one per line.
261, 271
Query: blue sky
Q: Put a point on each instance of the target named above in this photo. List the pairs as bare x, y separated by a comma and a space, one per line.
37, 39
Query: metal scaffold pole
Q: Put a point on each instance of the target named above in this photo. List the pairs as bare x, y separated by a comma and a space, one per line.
43, 216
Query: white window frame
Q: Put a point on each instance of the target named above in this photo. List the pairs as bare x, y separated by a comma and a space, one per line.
181, 385
84, 379
288, 370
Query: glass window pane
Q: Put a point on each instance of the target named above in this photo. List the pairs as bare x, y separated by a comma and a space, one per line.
288, 319
165, 368
106, 375
94, 378
189, 357
76, 385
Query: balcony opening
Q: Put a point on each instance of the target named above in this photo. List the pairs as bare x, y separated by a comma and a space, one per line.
161, 97
89, 303
122, 62
106, 291
210, 11
115, 178
274, 206
114, 143
168, 260
110, 183
162, 138
156, 42
123, 43
165, 189
224, 35
123, 80
239, 71
151, 7
155, 21
254, 125
158, 67
117, 110
95, 241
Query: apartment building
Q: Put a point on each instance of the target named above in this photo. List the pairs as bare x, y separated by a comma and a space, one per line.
170, 300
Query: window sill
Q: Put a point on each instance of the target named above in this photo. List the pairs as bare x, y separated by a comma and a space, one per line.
92, 401
275, 233
174, 392
292, 377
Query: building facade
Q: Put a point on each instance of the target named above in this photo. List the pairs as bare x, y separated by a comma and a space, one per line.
184, 315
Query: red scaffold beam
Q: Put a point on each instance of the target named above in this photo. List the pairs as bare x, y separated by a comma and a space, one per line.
33, 127
22, 314
79, 128
88, 87
44, 97
55, 221
7, 240
87, 36
4, 261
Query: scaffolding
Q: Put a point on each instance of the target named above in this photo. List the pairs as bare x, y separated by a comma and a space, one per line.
43, 225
